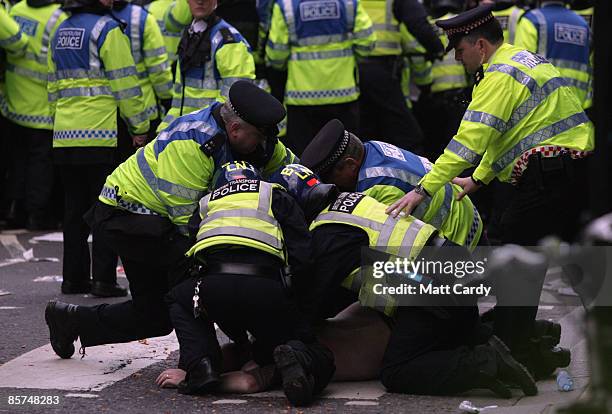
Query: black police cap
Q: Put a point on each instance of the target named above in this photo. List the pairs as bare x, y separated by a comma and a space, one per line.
463, 24
326, 148
256, 106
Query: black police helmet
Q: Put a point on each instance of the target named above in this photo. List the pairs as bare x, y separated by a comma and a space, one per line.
306, 188
232, 171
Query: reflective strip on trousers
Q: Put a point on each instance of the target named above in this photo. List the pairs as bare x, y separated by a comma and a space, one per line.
538, 137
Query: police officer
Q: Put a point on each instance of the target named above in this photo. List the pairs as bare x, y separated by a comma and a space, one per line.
318, 47
145, 205
524, 124
386, 173
252, 239
564, 39
447, 349
154, 72
212, 56
158, 9
382, 114
91, 77
31, 175
13, 41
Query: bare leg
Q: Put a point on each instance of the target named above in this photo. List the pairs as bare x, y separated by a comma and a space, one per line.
358, 338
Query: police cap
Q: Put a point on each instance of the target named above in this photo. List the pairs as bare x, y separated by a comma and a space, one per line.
256, 107
465, 23
326, 148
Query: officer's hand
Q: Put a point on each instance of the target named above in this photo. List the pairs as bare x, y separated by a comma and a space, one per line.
170, 378
468, 185
139, 140
407, 204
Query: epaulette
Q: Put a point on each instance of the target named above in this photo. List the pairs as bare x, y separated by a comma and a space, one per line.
228, 36
213, 144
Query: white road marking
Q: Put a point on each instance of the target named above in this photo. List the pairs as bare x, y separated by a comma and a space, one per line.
4, 292
55, 237
229, 402
51, 278
354, 390
18, 253
361, 403
81, 395
10, 307
101, 367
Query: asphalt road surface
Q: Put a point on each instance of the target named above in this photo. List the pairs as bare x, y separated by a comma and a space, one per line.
121, 377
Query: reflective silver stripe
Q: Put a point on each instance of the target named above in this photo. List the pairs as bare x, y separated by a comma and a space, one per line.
207, 83
29, 73
388, 12
77, 74
84, 91
388, 44
386, 231
404, 175
387, 27
226, 84
186, 126
410, 237
538, 94
518, 75
45, 37
239, 212
218, 37
451, 79
349, 219
570, 64
138, 118
486, 119
135, 33
154, 52
192, 102
179, 190
243, 232
350, 14
161, 88
147, 174
444, 209
96, 31
577, 84
464, 152
363, 34
128, 93
35, 57
173, 21
324, 39
290, 19
512, 22
10, 40
121, 73
204, 206
184, 210
263, 205
277, 46
542, 32
537, 137
159, 67
328, 54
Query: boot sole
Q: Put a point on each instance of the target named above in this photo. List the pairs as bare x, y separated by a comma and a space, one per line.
521, 374
54, 328
298, 389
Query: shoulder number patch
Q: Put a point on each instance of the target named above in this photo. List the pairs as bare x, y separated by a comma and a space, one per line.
346, 202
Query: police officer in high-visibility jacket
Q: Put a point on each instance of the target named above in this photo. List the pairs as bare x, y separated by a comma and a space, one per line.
449, 352
145, 205
27, 107
524, 125
158, 9
154, 71
508, 14
318, 45
381, 113
91, 77
386, 173
564, 39
251, 238
212, 56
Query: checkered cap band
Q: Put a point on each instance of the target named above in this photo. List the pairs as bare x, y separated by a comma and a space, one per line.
466, 29
336, 155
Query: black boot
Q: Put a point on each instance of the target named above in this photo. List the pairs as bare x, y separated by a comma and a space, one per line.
202, 379
544, 327
72, 288
61, 319
510, 370
108, 290
543, 357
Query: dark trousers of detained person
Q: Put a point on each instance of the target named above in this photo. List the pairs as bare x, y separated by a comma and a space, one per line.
384, 115
304, 122
548, 200
152, 252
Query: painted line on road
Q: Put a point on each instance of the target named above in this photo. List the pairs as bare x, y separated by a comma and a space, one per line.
102, 366
81, 395
18, 253
4, 292
361, 403
10, 307
229, 402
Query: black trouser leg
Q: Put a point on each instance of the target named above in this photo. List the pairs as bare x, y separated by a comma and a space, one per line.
384, 115
39, 176
197, 336
76, 261
17, 162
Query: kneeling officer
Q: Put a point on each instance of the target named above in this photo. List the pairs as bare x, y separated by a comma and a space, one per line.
249, 231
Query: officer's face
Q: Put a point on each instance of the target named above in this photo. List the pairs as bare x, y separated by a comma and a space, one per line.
470, 55
244, 138
344, 175
106, 3
201, 9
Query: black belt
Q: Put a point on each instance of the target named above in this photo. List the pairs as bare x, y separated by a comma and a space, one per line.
244, 269
379, 59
